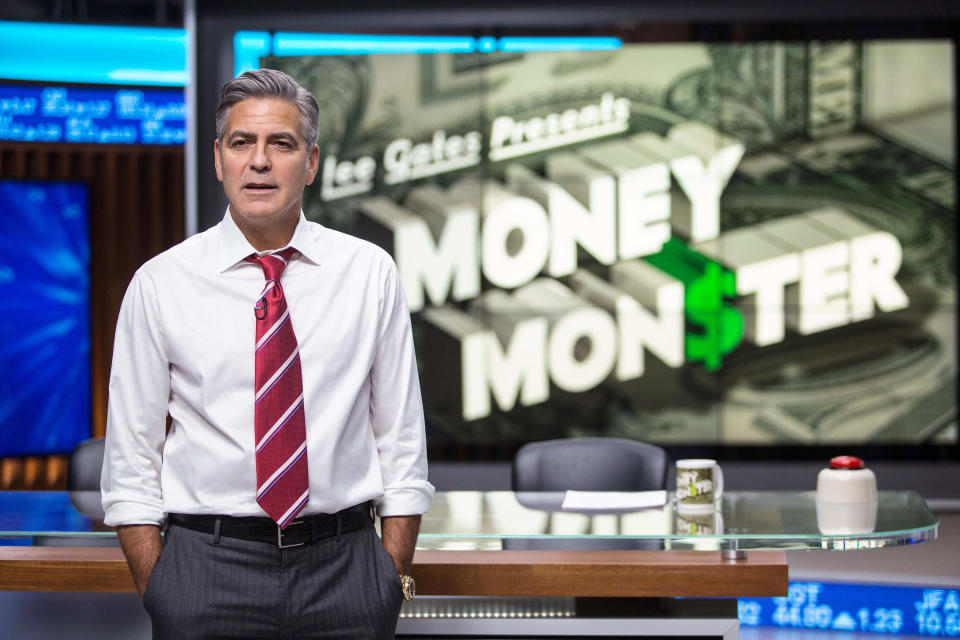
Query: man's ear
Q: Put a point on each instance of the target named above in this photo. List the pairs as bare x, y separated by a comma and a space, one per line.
216, 160
313, 163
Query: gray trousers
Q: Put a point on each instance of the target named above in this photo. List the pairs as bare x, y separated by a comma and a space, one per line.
344, 587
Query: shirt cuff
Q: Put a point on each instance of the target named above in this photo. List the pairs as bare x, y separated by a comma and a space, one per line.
407, 500
129, 513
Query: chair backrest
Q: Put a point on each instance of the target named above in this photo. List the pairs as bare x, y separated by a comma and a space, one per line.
86, 461
590, 464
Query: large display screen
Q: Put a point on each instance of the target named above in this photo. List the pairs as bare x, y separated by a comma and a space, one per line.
92, 115
45, 311
686, 244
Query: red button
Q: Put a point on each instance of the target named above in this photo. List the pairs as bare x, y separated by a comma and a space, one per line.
846, 462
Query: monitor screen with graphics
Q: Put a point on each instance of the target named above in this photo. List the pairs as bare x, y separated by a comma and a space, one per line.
45, 311
703, 244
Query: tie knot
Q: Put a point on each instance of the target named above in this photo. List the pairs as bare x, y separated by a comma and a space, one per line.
274, 263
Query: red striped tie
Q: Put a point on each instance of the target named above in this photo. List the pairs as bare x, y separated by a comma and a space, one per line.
281, 443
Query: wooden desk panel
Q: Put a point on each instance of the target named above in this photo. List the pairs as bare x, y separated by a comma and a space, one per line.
476, 573
600, 573
88, 569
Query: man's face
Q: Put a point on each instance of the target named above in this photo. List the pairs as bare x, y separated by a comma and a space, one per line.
264, 162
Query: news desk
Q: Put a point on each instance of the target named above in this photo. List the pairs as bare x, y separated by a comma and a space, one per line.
505, 564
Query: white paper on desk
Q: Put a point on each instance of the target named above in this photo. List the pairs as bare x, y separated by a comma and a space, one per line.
612, 500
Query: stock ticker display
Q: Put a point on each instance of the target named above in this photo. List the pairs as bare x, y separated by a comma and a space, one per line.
731, 244
33, 113
882, 609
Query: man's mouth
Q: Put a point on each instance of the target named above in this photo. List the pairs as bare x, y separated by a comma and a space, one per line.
259, 187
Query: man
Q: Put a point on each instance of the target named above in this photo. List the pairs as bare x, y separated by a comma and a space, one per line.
283, 354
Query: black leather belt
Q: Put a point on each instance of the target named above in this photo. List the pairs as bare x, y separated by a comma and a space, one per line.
299, 531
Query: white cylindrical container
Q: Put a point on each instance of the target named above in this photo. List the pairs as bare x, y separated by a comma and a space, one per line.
846, 497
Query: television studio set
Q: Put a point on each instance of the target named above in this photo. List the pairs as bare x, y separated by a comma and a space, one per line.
618, 320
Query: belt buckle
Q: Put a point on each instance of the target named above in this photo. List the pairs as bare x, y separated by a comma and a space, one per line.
280, 544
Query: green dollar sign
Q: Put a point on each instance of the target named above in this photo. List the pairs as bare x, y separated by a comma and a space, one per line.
721, 325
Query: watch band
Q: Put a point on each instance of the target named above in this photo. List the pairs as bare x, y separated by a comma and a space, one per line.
409, 587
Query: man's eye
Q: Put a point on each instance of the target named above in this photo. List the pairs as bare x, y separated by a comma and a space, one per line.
239, 143
283, 144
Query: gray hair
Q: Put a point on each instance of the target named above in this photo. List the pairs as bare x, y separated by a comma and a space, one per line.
269, 83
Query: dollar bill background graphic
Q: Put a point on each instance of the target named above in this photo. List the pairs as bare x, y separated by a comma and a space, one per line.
863, 126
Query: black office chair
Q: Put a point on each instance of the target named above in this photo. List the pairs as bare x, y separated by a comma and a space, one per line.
588, 464
86, 461
83, 485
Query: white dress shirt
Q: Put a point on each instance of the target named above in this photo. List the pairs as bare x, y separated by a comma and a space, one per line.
185, 344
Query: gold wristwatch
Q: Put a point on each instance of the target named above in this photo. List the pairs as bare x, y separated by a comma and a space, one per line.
409, 586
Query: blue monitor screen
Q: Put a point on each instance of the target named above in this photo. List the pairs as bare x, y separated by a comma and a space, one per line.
92, 115
44, 317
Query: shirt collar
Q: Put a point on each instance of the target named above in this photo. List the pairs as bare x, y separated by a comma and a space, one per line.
234, 246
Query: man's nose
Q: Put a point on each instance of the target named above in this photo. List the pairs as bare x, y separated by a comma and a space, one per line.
260, 161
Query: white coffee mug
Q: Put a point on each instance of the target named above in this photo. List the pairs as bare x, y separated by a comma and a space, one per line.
699, 482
